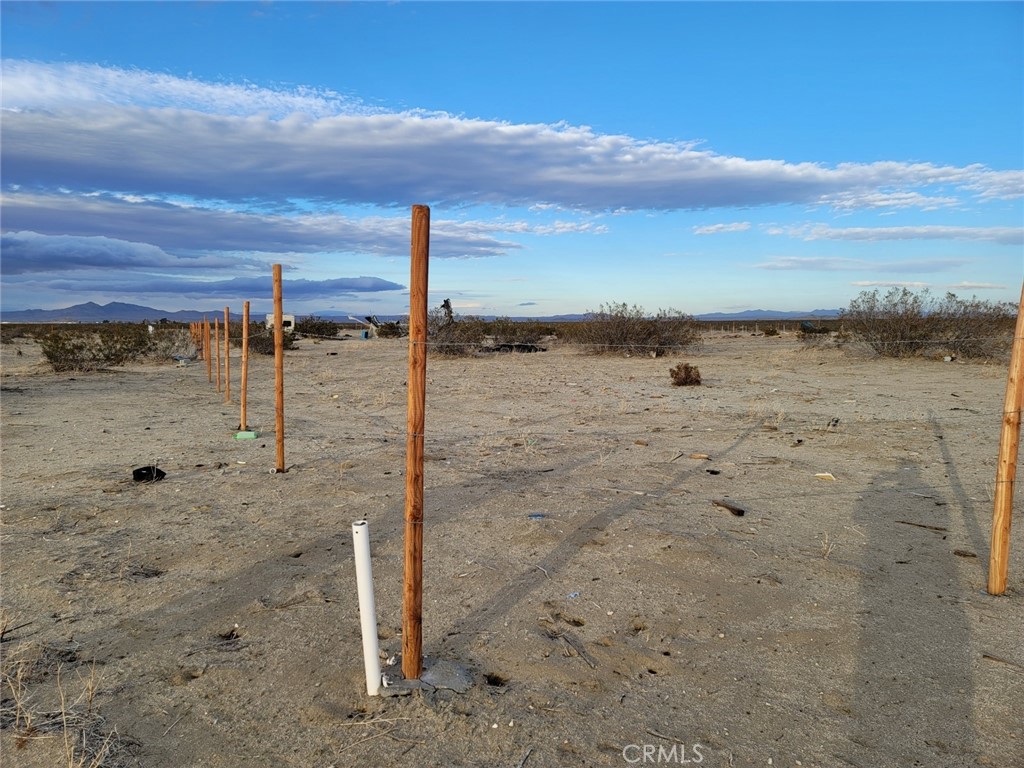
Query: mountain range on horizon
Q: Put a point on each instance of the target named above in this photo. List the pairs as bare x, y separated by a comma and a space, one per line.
120, 312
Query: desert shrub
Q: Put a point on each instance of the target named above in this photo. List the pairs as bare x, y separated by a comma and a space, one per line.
261, 339
316, 326
168, 343
89, 349
391, 330
971, 328
625, 330
905, 324
771, 331
685, 375
11, 331
893, 325
814, 340
504, 330
456, 336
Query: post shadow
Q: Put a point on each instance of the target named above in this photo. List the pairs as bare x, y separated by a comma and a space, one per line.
912, 685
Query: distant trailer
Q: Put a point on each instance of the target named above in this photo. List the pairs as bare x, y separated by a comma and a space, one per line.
287, 322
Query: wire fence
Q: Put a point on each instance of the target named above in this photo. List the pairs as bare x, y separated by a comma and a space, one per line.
378, 431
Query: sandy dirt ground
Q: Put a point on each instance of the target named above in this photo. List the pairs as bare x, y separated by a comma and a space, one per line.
608, 613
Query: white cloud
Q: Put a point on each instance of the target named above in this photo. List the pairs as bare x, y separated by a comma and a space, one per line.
27, 252
889, 284
92, 128
715, 229
32, 85
188, 228
1002, 235
966, 285
845, 201
833, 264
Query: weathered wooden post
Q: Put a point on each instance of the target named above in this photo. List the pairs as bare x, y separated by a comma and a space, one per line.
412, 594
279, 367
216, 343
1006, 468
227, 355
242, 393
207, 345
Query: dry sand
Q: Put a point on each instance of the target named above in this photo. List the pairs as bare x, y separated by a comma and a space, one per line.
837, 623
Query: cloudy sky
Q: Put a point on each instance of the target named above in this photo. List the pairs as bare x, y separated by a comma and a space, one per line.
703, 157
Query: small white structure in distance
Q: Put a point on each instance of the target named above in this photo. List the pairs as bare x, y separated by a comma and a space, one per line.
287, 321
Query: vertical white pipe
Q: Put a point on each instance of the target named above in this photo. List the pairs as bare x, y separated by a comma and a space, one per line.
367, 608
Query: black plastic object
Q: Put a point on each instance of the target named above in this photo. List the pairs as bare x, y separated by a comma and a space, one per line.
148, 474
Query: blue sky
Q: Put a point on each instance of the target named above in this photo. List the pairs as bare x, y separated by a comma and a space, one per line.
697, 156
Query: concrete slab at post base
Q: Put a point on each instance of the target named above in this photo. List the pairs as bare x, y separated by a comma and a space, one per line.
439, 675
448, 675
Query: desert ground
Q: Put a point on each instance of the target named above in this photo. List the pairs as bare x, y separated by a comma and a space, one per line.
606, 611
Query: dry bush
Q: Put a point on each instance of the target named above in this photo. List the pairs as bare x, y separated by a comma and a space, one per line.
316, 326
168, 343
93, 348
261, 339
815, 341
971, 328
11, 331
685, 375
629, 331
906, 324
504, 330
391, 330
454, 336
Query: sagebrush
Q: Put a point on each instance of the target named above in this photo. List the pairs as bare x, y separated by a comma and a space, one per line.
261, 339
629, 331
317, 326
902, 323
91, 349
453, 335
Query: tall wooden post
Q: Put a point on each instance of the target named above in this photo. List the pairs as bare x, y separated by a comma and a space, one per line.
1006, 468
216, 344
227, 355
206, 348
242, 388
279, 367
412, 595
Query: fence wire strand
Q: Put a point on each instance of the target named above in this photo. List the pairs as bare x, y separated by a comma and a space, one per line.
385, 434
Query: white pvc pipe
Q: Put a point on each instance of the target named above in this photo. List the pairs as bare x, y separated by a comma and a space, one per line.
367, 608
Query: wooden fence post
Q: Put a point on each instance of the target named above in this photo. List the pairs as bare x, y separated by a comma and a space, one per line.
207, 344
412, 594
279, 367
242, 395
227, 355
1006, 468
216, 343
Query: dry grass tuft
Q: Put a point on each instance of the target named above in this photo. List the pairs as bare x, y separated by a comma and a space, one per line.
54, 720
685, 375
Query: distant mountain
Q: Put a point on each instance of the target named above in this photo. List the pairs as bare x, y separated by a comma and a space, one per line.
91, 312
119, 312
